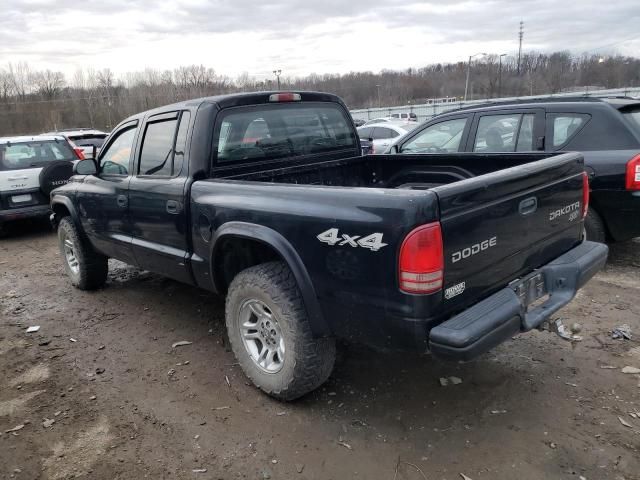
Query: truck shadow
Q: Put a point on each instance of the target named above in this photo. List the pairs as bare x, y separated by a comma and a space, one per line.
371, 392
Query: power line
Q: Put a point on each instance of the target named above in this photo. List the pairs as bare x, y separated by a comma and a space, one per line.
520, 35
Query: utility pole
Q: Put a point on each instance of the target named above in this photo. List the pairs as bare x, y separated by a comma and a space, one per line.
466, 84
379, 102
520, 35
277, 73
500, 74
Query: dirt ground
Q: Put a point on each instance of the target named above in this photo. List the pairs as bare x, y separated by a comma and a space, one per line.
125, 404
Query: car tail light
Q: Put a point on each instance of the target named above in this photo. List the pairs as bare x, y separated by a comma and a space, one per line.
285, 97
633, 173
421, 265
79, 153
585, 194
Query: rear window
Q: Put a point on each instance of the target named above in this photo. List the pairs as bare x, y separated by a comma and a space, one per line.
37, 153
88, 140
280, 131
634, 117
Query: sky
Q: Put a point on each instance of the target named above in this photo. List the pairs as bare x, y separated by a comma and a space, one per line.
301, 37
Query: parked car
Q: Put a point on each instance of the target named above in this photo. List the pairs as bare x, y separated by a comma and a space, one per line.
424, 254
88, 140
383, 135
605, 130
30, 167
405, 116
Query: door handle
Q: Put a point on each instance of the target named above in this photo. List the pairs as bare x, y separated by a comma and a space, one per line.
121, 200
528, 205
173, 207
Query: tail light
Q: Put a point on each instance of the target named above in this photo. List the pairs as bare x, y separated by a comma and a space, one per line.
633, 173
79, 153
421, 265
585, 194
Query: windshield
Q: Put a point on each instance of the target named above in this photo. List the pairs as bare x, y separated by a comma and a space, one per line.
279, 131
36, 153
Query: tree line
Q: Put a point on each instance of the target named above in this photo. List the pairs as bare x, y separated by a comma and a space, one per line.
34, 101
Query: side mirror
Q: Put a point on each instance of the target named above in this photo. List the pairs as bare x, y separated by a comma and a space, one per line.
85, 167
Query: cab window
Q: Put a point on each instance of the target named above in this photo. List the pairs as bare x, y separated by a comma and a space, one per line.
114, 159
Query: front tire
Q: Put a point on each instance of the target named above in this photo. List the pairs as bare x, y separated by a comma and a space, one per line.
594, 227
270, 334
86, 268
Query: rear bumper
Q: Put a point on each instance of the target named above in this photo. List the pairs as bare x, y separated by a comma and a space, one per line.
25, 212
500, 316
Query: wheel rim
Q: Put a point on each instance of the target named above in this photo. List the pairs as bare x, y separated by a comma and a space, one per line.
70, 255
262, 336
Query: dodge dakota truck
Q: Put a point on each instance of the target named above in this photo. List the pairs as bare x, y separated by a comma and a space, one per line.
266, 198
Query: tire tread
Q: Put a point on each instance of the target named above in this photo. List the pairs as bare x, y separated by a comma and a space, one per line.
314, 357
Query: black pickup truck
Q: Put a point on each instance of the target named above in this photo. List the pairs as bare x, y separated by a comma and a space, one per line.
265, 197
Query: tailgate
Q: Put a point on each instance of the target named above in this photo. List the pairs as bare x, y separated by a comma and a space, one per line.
502, 225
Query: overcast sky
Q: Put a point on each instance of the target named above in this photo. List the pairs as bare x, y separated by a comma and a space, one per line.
302, 36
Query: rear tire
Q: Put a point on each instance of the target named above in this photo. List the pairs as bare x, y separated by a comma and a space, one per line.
270, 333
86, 268
594, 227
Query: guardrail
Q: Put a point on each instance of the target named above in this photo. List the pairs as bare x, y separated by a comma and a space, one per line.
426, 111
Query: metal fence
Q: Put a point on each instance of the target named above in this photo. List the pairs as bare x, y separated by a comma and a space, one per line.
429, 110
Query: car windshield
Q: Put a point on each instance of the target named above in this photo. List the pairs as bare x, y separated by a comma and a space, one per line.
273, 132
34, 153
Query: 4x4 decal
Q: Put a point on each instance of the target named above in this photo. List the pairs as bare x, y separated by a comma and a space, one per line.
332, 236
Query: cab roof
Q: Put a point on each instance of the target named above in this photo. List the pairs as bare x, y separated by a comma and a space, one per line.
237, 100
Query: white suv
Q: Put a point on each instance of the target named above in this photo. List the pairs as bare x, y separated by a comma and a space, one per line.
30, 167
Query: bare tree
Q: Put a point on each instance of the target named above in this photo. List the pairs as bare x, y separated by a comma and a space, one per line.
48, 83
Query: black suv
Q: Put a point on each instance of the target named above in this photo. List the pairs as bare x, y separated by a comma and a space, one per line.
606, 130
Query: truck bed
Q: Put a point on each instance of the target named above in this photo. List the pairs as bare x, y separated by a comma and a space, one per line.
417, 172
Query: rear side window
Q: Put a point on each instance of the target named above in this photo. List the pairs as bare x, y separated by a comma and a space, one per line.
181, 143
16, 156
365, 132
441, 137
496, 133
278, 131
382, 133
525, 136
157, 148
565, 126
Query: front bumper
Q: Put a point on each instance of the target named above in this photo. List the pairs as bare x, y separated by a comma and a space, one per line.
502, 315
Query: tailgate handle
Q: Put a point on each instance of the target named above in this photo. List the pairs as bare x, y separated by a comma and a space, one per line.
528, 206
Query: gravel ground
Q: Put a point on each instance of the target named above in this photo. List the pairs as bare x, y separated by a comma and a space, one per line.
99, 392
